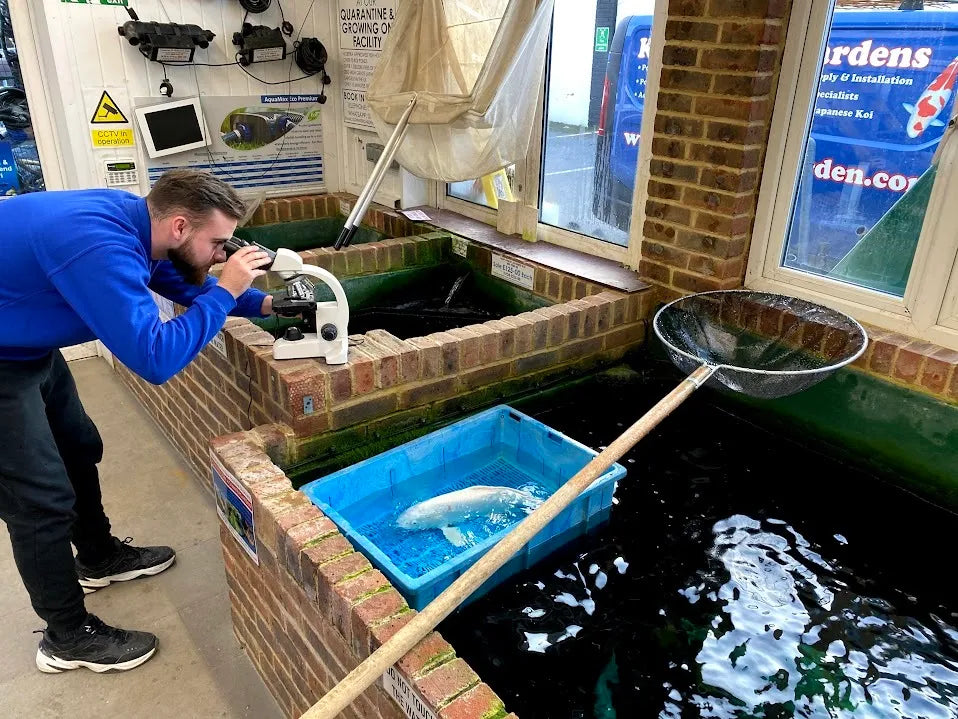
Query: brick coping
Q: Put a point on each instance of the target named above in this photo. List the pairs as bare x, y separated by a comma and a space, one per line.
314, 607
911, 363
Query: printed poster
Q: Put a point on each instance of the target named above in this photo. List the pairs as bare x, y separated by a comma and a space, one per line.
363, 26
234, 505
257, 142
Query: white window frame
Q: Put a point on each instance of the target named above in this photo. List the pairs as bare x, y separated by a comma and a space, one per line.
527, 173
921, 313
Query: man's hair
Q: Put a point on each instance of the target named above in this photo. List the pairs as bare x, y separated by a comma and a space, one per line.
194, 194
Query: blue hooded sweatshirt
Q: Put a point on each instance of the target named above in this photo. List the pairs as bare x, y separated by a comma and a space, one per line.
75, 266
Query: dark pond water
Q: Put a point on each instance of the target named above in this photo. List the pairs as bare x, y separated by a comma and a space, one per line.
742, 575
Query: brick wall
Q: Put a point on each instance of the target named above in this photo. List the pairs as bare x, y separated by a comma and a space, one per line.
911, 363
390, 383
313, 607
720, 66
308, 207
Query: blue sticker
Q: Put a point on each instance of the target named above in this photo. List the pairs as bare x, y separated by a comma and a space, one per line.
9, 181
234, 505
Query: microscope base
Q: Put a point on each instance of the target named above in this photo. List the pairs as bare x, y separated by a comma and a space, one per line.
334, 352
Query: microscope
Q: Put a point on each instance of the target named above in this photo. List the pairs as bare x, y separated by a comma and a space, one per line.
326, 322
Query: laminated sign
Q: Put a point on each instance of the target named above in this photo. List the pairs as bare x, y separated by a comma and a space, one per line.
363, 26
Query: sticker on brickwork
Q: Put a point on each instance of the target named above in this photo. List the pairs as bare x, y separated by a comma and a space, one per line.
515, 272
218, 343
460, 246
234, 505
406, 696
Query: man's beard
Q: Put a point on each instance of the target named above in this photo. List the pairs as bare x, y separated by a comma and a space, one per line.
183, 262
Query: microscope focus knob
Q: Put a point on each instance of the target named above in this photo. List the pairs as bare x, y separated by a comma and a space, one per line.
292, 334
328, 332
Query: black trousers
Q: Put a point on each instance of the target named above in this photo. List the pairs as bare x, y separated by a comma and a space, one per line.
49, 486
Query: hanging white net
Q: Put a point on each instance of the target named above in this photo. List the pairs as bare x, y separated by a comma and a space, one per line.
475, 68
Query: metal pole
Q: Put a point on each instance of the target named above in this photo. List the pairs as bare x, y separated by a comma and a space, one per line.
375, 179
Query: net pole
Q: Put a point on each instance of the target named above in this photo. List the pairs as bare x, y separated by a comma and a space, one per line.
375, 179
371, 668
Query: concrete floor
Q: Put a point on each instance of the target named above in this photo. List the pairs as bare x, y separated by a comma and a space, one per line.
199, 670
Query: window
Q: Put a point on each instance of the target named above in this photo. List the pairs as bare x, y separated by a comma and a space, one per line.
487, 190
580, 173
595, 96
19, 161
853, 210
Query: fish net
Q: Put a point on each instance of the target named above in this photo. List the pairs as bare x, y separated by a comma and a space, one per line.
761, 344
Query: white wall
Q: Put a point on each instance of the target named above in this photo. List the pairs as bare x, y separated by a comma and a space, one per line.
81, 54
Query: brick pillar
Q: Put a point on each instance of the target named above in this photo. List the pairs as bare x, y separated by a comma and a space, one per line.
720, 68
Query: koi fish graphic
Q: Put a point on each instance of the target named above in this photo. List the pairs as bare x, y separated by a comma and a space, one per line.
932, 101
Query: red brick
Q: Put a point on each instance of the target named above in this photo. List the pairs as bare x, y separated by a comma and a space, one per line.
679, 126
382, 633
362, 410
655, 272
678, 55
421, 657
375, 610
476, 703
908, 364
751, 33
445, 682
366, 583
935, 374
669, 170
430, 356
882, 357
697, 283
691, 31
468, 347
665, 254
667, 147
363, 372
731, 108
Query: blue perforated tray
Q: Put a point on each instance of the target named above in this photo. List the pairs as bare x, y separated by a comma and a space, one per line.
499, 447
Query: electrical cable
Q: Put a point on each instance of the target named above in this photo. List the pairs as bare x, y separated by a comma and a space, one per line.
14, 112
255, 6
286, 26
310, 55
289, 103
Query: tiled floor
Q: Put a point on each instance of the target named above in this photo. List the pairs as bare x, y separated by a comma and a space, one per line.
200, 670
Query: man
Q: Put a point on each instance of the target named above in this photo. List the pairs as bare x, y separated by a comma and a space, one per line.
76, 266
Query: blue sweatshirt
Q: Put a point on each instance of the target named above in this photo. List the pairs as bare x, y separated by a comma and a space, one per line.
75, 266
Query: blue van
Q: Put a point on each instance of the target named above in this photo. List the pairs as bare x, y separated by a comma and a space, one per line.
883, 100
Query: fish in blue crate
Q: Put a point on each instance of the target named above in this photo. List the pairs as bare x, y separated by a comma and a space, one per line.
451, 511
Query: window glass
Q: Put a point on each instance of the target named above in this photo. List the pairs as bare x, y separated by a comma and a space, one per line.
595, 97
19, 163
488, 190
883, 99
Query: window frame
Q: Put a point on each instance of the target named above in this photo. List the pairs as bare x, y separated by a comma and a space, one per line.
528, 172
920, 312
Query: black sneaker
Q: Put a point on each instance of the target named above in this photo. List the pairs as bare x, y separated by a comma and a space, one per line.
128, 562
96, 646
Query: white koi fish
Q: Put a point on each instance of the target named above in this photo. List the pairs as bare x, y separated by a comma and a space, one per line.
453, 508
932, 101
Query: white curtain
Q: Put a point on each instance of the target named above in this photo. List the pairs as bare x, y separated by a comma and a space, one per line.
475, 68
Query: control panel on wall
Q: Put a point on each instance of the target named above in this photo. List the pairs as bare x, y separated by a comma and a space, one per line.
120, 173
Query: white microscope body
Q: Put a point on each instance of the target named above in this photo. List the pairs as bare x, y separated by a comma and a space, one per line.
330, 340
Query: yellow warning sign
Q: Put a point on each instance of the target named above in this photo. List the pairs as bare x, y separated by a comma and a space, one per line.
107, 111
122, 137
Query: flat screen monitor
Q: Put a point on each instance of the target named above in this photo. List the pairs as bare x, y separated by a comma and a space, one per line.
172, 127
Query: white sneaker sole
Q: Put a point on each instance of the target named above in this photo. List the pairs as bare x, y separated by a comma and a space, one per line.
91, 585
53, 665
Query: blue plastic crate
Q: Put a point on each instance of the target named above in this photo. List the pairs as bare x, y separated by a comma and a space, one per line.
500, 447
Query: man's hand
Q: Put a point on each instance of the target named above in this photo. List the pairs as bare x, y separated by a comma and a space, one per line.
241, 269
267, 307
